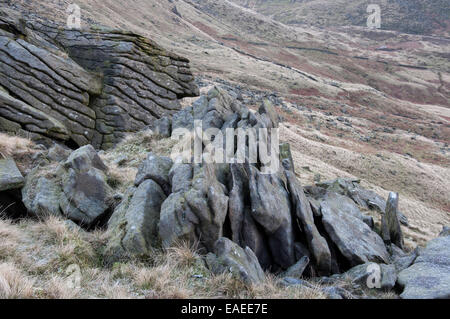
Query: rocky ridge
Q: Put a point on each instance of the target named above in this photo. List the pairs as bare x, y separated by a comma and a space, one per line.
243, 220
84, 86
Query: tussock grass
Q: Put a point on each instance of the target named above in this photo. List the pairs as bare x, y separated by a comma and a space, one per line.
14, 283
35, 258
12, 146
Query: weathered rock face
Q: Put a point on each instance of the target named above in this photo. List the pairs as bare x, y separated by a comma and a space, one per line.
10, 176
378, 276
322, 234
76, 189
429, 276
390, 224
84, 87
198, 213
296, 270
354, 239
242, 263
271, 208
41, 195
156, 168
316, 242
85, 192
134, 224
364, 198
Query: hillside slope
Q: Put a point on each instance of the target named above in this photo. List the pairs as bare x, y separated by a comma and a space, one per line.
357, 103
412, 16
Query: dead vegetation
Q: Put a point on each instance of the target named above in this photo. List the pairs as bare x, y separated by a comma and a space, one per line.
36, 258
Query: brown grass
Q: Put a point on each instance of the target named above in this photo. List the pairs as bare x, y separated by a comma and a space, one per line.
14, 283
35, 257
11, 146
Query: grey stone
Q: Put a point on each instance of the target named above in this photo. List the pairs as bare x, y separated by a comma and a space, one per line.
58, 153
41, 195
268, 109
122, 83
354, 239
400, 259
183, 119
271, 209
316, 242
429, 276
197, 214
360, 275
134, 224
177, 221
241, 263
156, 168
296, 270
10, 176
180, 176
85, 158
390, 224
85, 193
162, 127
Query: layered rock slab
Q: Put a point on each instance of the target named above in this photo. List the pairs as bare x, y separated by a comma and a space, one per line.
84, 87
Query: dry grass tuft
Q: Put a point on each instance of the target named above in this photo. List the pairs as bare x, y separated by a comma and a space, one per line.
14, 284
11, 146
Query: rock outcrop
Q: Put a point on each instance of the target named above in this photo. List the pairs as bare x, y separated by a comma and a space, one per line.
84, 87
285, 226
429, 276
76, 188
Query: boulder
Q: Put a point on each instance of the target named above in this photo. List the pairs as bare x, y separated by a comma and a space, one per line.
372, 275
400, 259
345, 204
269, 110
180, 176
84, 158
390, 224
177, 221
156, 168
134, 223
429, 276
241, 263
271, 209
238, 203
41, 194
58, 153
209, 203
162, 127
85, 193
76, 188
10, 176
353, 238
183, 119
366, 199
296, 270
196, 214
317, 244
